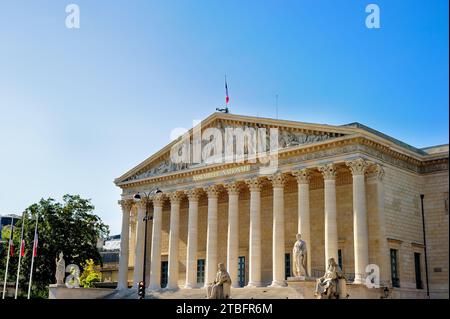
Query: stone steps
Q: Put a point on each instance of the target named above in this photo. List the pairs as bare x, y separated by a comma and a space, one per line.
200, 293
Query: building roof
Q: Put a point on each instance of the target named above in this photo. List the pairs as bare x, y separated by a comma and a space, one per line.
111, 245
10, 215
387, 137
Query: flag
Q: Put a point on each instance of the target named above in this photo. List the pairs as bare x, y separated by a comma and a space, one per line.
227, 98
22, 248
35, 244
11, 247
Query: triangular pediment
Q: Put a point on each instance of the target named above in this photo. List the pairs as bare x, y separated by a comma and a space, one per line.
290, 134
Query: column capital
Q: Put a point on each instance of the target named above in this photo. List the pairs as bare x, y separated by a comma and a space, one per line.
193, 194
232, 188
328, 171
142, 203
254, 184
302, 175
213, 191
357, 166
278, 180
175, 197
379, 171
158, 200
126, 204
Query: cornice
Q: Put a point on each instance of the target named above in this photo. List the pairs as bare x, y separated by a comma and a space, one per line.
328, 148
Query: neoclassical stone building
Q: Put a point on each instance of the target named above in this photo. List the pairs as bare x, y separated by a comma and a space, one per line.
352, 192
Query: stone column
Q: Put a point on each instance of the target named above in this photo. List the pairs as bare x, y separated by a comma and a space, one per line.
304, 228
360, 231
278, 245
331, 238
233, 232
254, 272
155, 261
211, 236
191, 258
124, 244
384, 258
132, 247
139, 247
172, 280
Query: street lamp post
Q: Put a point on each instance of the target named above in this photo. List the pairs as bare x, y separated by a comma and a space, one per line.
137, 197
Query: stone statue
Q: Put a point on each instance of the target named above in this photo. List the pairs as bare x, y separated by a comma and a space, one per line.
60, 269
332, 285
300, 257
220, 288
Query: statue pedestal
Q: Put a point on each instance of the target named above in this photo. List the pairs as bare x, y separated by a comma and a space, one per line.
303, 285
57, 286
56, 291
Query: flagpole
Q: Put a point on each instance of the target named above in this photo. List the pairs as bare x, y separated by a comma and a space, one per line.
32, 258
7, 258
20, 256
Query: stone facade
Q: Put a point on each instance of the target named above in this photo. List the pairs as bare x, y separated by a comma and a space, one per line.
364, 201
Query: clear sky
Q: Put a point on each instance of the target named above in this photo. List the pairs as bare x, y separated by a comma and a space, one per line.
79, 107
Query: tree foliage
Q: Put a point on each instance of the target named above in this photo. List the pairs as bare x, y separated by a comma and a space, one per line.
91, 274
70, 227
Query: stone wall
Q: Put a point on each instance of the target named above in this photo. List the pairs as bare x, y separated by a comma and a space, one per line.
437, 232
404, 226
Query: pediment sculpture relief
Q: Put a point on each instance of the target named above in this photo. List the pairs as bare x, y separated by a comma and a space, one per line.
286, 139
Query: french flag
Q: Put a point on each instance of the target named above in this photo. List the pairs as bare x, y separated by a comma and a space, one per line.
22, 248
11, 248
35, 244
227, 98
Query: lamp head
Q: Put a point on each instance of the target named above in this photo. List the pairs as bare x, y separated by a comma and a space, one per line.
137, 197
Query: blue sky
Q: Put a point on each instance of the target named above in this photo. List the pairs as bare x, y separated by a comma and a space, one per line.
79, 107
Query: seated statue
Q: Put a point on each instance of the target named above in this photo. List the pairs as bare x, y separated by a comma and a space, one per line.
332, 285
220, 288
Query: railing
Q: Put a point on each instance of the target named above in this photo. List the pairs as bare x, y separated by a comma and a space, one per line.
317, 273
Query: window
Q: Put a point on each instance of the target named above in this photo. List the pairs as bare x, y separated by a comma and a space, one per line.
287, 266
394, 269
446, 203
419, 284
241, 271
340, 258
164, 273
200, 271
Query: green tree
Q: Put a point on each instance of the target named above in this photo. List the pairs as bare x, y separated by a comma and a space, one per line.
91, 274
70, 227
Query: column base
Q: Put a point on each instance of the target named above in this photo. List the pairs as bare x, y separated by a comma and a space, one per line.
153, 288
135, 286
121, 287
190, 286
359, 281
278, 284
172, 287
253, 285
